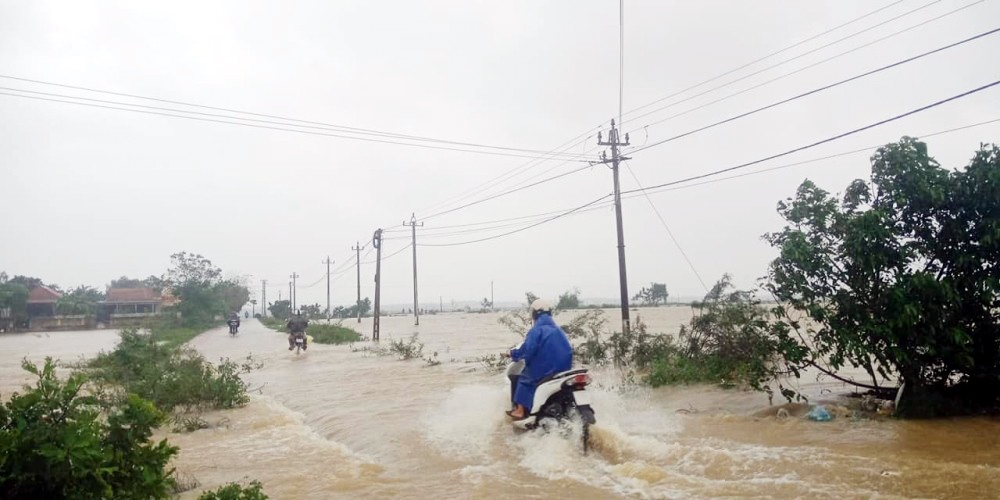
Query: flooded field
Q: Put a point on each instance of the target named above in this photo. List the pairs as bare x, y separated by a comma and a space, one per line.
339, 421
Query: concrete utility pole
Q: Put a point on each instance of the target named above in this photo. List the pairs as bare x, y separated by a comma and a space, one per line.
357, 248
614, 160
293, 293
377, 243
291, 308
416, 304
263, 298
327, 262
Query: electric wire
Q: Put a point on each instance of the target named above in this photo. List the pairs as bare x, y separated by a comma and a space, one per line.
505, 193
804, 162
772, 54
667, 228
823, 141
252, 125
284, 120
520, 186
786, 75
550, 219
786, 61
819, 89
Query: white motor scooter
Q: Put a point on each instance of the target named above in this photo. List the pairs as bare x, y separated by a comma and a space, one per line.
558, 397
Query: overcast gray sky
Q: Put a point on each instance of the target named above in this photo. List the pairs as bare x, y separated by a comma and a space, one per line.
90, 194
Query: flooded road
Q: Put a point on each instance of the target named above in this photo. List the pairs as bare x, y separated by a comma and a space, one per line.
339, 421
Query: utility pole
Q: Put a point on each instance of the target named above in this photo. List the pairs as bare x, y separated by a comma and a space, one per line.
377, 243
263, 295
614, 160
291, 306
357, 305
294, 291
416, 305
328, 262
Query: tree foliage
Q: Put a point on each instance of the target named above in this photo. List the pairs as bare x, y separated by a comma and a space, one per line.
58, 442
80, 300
14, 300
202, 292
153, 282
900, 277
656, 293
569, 300
280, 309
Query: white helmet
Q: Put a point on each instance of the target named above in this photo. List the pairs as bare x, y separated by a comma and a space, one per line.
539, 307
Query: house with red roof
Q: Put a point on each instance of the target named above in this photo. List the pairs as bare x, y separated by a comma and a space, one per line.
129, 305
42, 301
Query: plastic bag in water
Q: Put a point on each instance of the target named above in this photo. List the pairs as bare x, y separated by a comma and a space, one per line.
819, 414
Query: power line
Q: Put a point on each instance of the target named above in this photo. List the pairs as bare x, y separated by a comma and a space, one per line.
550, 219
307, 123
804, 162
505, 193
786, 61
819, 89
486, 185
251, 125
786, 75
824, 141
667, 228
755, 61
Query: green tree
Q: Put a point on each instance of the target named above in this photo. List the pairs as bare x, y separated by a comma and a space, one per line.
530, 297
653, 295
901, 276
203, 294
153, 282
81, 300
569, 300
280, 309
28, 282
234, 295
58, 442
14, 300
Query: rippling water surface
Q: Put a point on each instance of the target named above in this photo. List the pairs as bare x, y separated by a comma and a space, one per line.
338, 421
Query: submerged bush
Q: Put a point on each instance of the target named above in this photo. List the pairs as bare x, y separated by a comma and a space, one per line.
171, 377
58, 442
332, 334
731, 341
236, 491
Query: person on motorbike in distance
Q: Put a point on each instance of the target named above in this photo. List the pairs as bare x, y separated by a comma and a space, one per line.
297, 326
545, 351
234, 318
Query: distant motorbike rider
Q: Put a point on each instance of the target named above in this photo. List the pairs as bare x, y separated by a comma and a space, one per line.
234, 320
545, 351
297, 327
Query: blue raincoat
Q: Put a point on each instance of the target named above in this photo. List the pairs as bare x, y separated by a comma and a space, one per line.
545, 351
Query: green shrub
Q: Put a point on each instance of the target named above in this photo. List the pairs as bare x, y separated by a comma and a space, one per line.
236, 491
332, 334
410, 349
57, 442
171, 376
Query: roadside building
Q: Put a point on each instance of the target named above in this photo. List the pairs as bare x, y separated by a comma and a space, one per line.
125, 306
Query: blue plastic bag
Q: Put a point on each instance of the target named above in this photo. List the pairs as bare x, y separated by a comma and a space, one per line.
819, 414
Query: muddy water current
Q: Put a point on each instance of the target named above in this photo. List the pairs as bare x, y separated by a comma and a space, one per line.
340, 421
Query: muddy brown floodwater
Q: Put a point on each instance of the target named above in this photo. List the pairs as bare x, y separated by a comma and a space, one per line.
337, 421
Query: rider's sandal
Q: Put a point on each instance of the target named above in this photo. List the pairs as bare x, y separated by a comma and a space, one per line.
510, 413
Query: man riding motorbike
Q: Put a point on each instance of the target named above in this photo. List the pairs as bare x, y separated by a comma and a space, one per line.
234, 320
297, 327
545, 351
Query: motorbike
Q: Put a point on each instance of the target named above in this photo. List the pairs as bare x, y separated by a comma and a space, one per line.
558, 397
234, 326
300, 342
